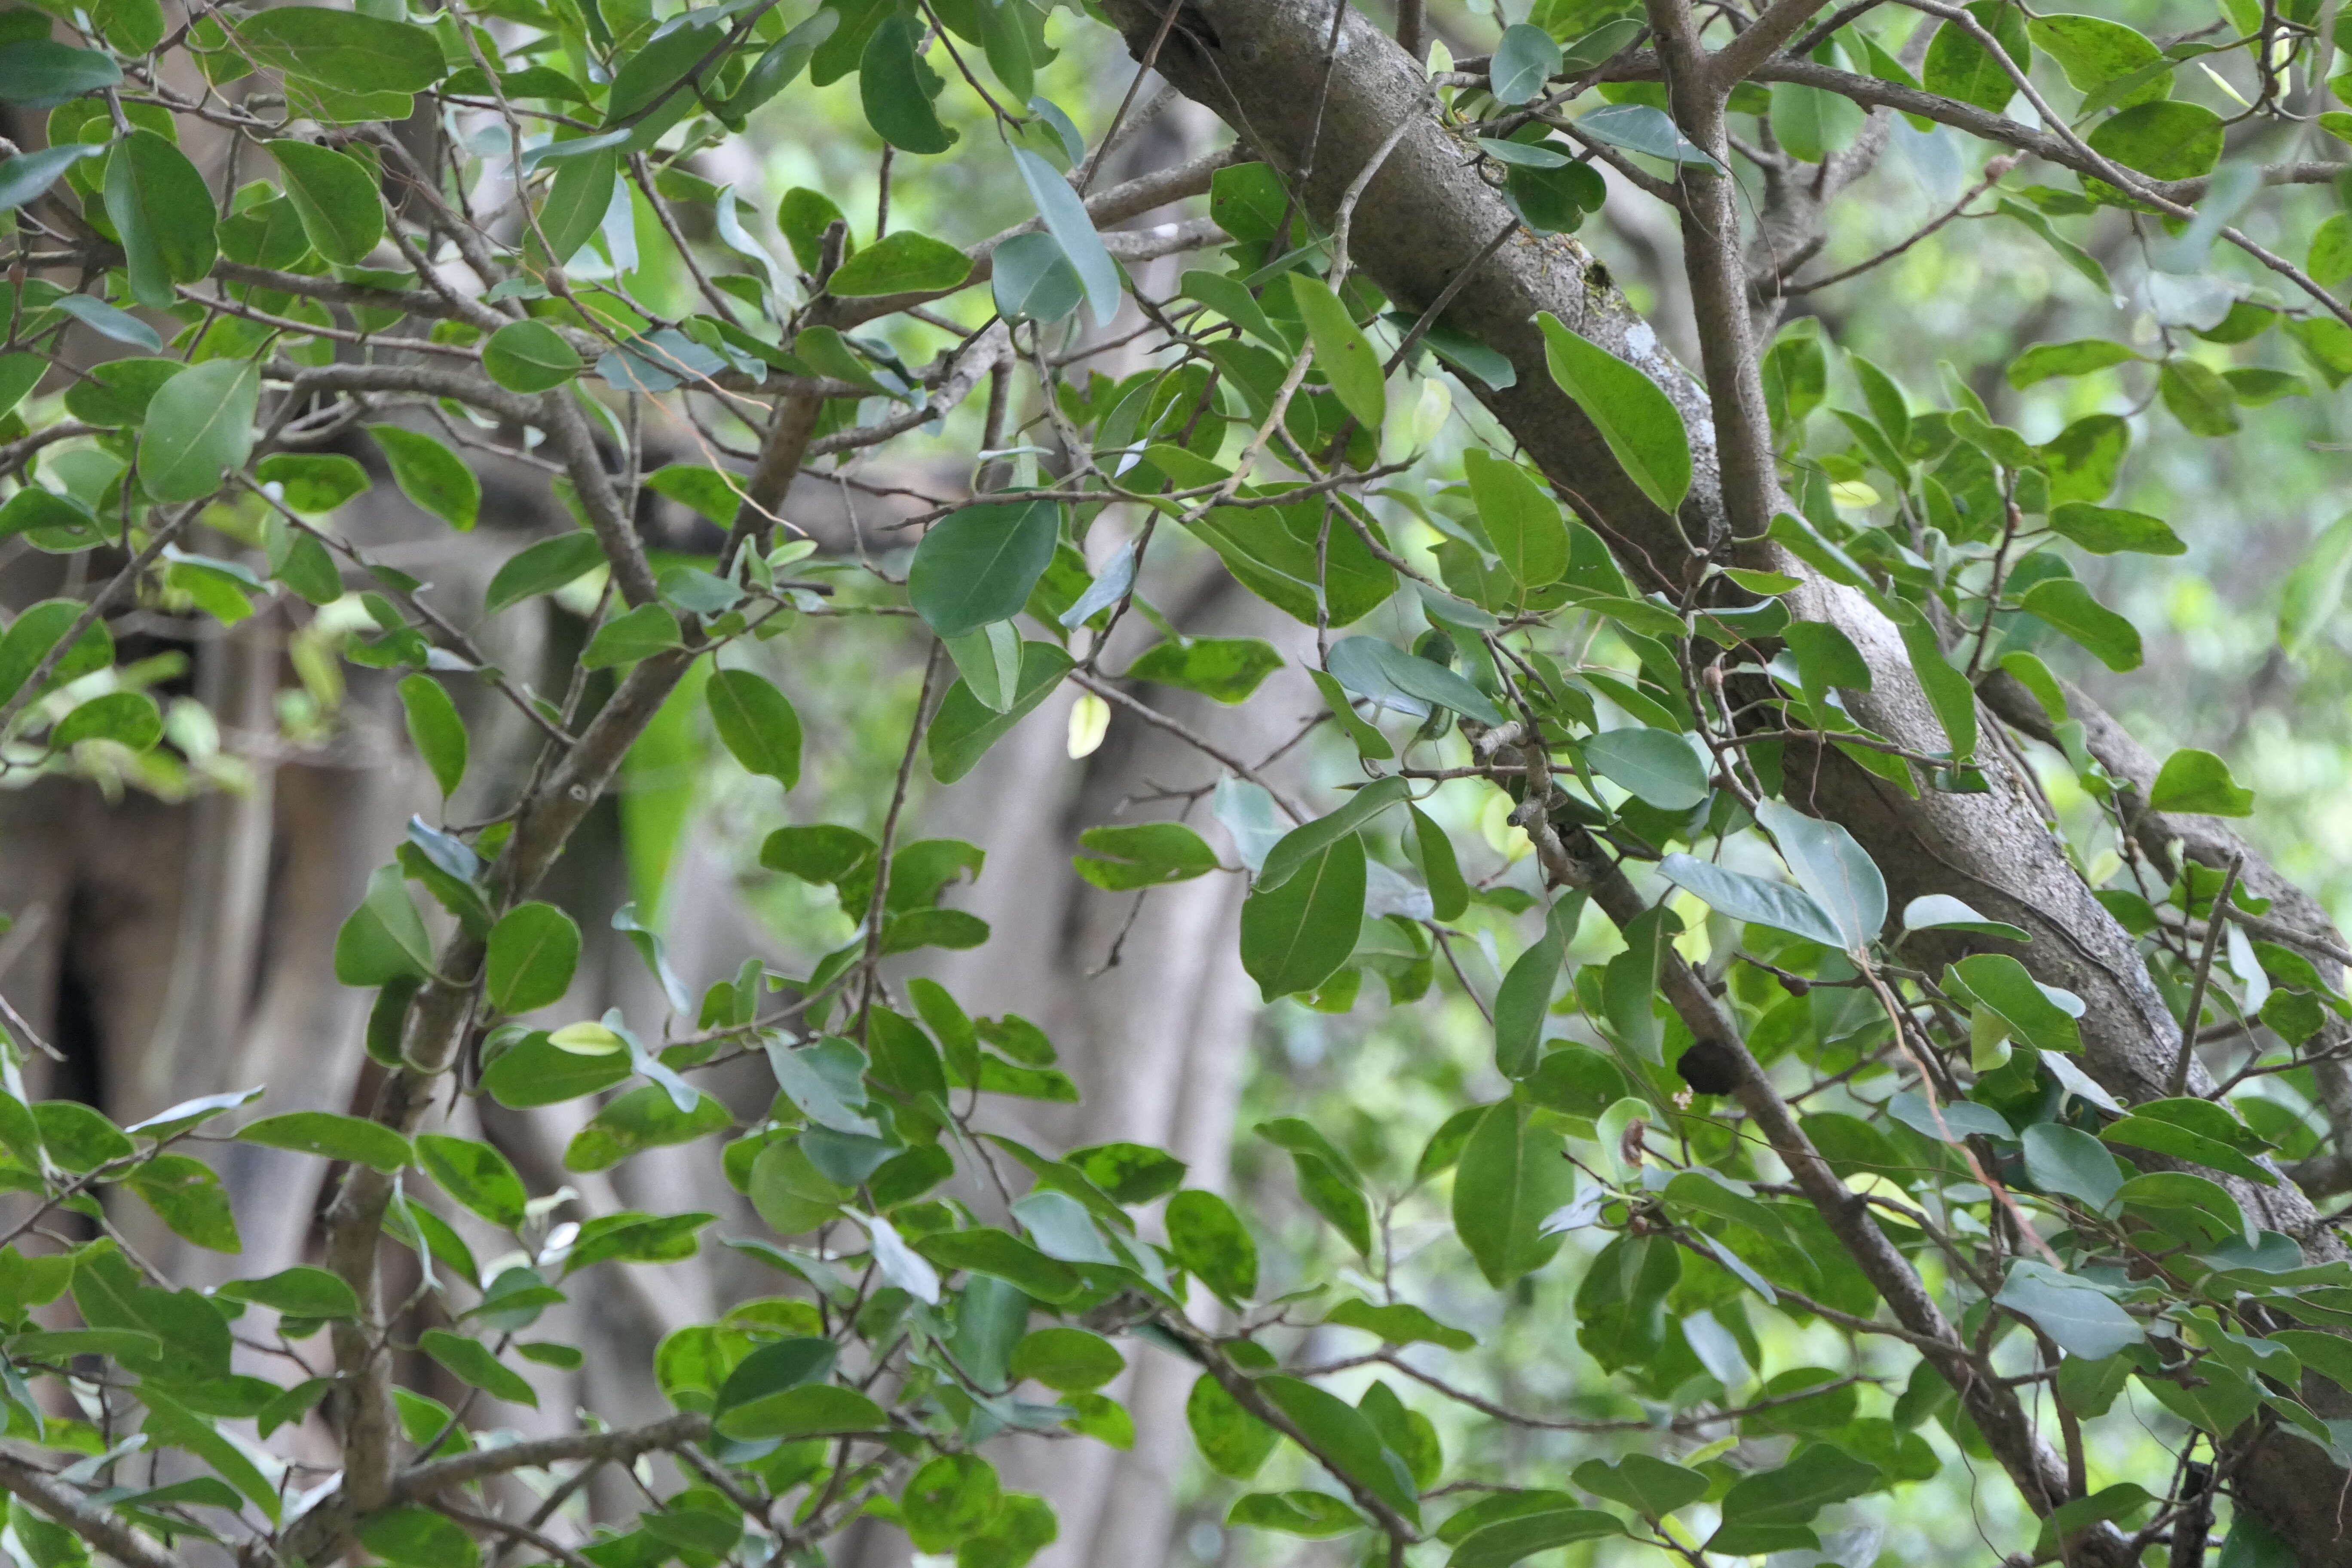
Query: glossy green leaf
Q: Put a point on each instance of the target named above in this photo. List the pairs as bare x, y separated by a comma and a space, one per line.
430, 474
335, 196
1342, 352
1296, 936
165, 212
332, 1136
199, 425
1524, 59
1640, 424
965, 728
2081, 1318
757, 723
542, 568
903, 262
2068, 605
349, 51
529, 356
128, 718
979, 563
533, 950
1509, 1179
1651, 764
897, 88
436, 730
2200, 782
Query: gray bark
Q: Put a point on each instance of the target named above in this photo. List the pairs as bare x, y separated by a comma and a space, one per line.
1269, 71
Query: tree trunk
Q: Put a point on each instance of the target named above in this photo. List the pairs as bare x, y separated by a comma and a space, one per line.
1270, 69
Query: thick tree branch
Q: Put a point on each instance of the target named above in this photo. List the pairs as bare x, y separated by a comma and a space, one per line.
1423, 220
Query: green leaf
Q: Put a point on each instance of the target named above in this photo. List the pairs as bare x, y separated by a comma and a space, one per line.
979, 563
1033, 280
117, 392
39, 72
190, 1200
2060, 1159
1510, 1540
1344, 1442
1296, 936
2084, 458
1295, 848
301, 1291
332, 1136
384, 939
2106, 530
2043, 361
1941, 912
431, 475
1066, 1360
1233, 1441
1752, 899
2200, 782
127, 719
2093, 51
897, 89
1947, 690
2080, 1317
1004, 1257
1449, 894
2196, 1130
1342, 354
2002, 984
965, 728
2068, 606
1065, 219
1650, 1487
1959, 67
758, 724
349, 51
1640, 423
335, 196
529, 356
1641, 128
1830, 866
1211, 1243
1521, 521
577, 200
1524, 1000
647, 1117
199, 425
1143, 854
536, 1071
2195, 394
1654, 764
1793, 1494
1509, 1179
434, 730
1398, 1323
2164, 140
1524, 59
542, 568
165, 212
1225, 670
1378, 668
533, 950
949, 1500
471, 1362
1314, 1515
642, 633
312, 482
1814, 124
901, 262
78, 1137
476, 1175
